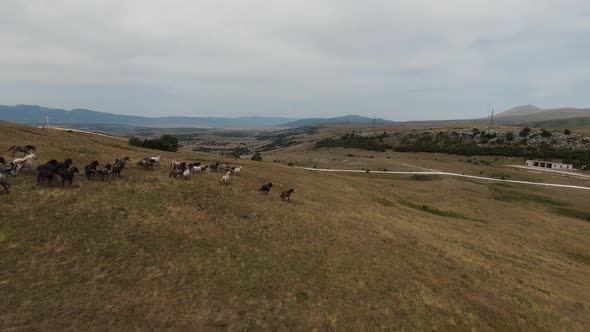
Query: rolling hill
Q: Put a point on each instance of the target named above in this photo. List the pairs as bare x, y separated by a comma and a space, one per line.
349, 252
529, 113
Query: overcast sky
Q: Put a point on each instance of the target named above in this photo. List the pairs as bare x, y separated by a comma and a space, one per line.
399, 60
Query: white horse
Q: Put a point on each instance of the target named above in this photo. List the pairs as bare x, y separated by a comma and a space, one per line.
176, 163
24, 162
186, 174
156, 160
237, 170
197, 169
225, 179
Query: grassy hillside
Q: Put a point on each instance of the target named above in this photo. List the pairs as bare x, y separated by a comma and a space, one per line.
349, 252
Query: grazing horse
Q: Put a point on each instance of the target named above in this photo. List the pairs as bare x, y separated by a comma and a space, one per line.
24, 149
4, 174
186, 174
225, 179
90, 169
25, 162
285, 195
265, 188
104, 172
67, 175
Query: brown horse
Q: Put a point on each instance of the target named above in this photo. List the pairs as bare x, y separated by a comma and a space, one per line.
285, 195
24, 149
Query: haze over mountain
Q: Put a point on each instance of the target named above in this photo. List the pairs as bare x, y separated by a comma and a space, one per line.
338, 119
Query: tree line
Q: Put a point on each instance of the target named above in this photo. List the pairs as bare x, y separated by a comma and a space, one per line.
164, 143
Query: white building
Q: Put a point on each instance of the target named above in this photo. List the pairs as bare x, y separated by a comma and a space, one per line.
550, 165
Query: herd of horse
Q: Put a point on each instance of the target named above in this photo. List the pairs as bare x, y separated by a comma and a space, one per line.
64, 171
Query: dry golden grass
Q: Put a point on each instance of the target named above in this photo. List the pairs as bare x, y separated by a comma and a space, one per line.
350, 252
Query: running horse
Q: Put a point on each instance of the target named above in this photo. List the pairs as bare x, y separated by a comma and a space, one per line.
27, 149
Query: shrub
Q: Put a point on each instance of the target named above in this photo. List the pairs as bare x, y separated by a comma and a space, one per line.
351, 141
524, 132
545, 133
567, 132
135, 141
290, 164
256, 157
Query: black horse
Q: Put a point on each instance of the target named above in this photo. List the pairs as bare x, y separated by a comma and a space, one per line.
104, 172
90, 169
67, 175
51, 169
265, 189
119, 165
4, 174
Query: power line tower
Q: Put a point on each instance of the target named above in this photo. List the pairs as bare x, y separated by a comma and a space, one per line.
492, 118
374, 123
47, 121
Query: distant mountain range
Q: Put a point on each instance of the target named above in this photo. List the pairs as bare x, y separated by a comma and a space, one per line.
35, 115
340, 119
31, 114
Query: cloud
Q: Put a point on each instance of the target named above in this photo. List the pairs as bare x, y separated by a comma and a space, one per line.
398, 60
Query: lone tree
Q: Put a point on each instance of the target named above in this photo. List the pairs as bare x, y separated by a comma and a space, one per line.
567, 132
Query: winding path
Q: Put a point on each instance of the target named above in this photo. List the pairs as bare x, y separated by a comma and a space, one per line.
449, 174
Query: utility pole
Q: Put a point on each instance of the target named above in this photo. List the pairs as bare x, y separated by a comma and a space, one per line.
374, 123
47, 121
492, 118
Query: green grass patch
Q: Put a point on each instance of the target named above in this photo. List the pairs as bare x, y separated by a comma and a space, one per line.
518, 197
423, 177
579, 257
377, 199
577, 214
433, 210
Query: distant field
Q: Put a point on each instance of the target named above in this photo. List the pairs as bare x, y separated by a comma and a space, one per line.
350, 252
